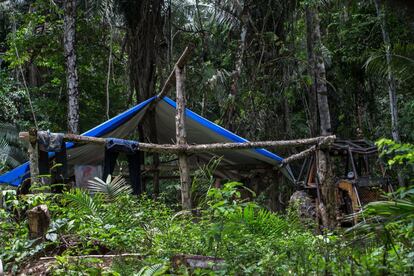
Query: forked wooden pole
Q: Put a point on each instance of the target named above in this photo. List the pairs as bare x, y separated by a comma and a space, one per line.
181, 136
169, 83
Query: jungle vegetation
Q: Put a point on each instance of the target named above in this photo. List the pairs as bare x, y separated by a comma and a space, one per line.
265, 69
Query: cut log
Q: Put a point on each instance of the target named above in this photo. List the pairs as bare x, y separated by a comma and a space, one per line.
38, 219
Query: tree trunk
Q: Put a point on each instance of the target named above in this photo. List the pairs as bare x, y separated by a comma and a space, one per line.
234, 88
392, 94
143, 22
390, 77
312, 97
144, 30
69, 40
181, 134
320, 77
324, 170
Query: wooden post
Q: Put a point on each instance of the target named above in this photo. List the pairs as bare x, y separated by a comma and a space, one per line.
33, 151
181, 136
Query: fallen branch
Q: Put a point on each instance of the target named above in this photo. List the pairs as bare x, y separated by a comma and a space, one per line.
97, 256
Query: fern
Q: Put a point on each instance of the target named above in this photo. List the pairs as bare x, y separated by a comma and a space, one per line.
260, 221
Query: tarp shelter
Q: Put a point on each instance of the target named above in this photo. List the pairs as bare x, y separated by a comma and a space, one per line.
199, 131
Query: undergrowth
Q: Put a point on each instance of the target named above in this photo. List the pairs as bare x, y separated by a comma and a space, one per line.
250, 239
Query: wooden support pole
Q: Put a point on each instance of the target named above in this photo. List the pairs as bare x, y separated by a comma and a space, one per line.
323, 141
181, 136
169, 83
299, 155
33, 151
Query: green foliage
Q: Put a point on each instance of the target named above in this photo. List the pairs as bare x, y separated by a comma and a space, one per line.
203, 180
12, 149
83, 202
272, 101
154, 270
398, 156
250, 239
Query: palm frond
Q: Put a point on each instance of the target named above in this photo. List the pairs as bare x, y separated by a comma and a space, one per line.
12, 150
401, 66
154, 270
385, 217
111, 188
83, 202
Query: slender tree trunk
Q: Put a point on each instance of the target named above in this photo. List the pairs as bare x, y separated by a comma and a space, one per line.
312, 97
234, 88
108, 75
392, 94
390, 77
181, 134
69, 40
324, 170
320, 77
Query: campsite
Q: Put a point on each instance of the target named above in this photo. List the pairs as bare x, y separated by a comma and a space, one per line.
206, 137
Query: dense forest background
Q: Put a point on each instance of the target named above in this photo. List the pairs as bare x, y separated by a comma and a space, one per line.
250, 70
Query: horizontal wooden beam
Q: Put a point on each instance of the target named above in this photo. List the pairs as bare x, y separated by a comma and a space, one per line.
214, 147
239, 167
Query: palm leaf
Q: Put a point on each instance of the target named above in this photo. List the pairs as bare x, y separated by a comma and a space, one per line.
154, 270
83, 202
111, 189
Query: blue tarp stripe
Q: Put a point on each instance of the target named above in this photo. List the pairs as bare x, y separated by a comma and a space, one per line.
16, 176
221, 131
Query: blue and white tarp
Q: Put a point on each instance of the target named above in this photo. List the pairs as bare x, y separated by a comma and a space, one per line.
199, 131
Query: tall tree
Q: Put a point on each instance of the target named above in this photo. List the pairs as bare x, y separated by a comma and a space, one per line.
242, 15
327, 203
390, 77
69, 41
143, 22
